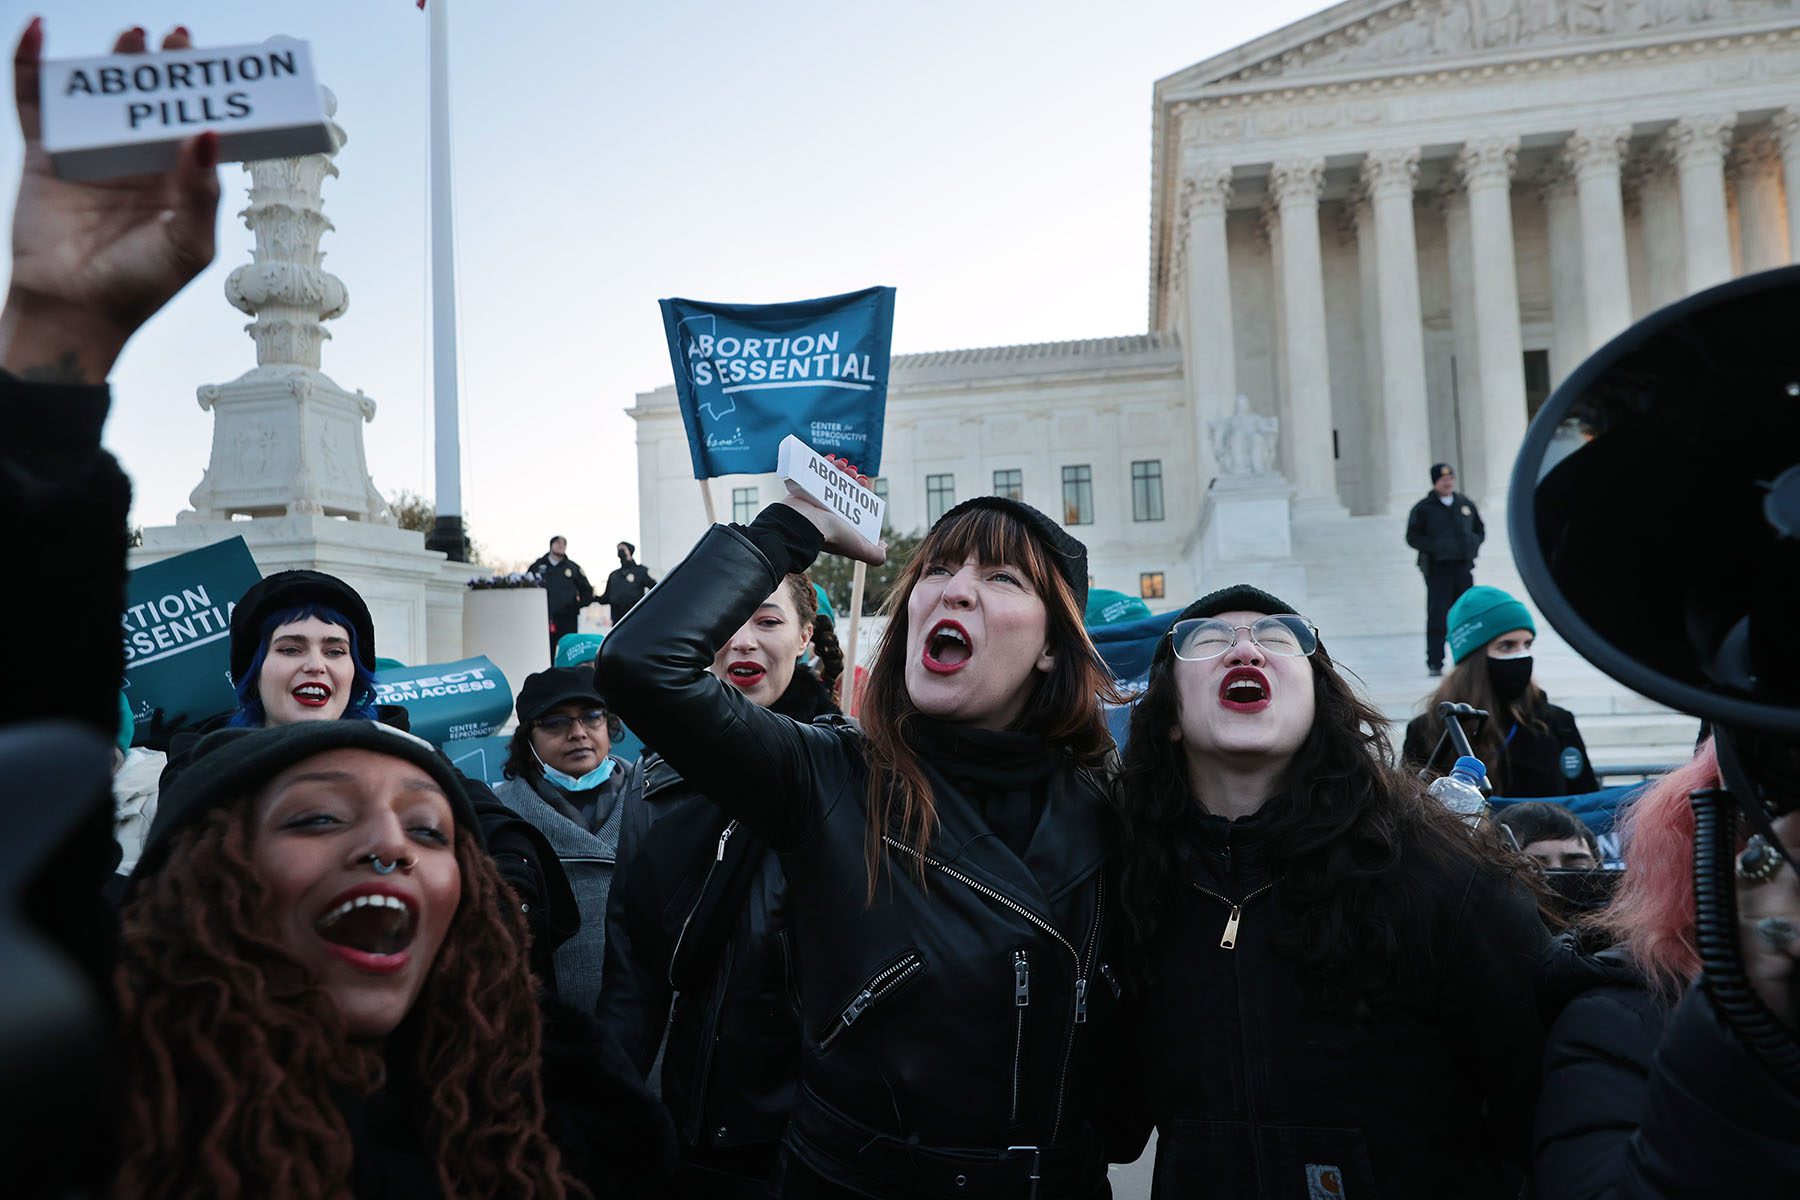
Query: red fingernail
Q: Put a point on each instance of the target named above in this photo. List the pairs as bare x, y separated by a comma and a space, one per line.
208, 150
140, 31
182, 30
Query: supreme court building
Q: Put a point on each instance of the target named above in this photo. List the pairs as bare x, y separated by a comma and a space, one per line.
1395, 226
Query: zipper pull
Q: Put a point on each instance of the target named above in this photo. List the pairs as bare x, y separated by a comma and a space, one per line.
724, 836
1081, 1001
857, 1005
1021, 979
1229, 941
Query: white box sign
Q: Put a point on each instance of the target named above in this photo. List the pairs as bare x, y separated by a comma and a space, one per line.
807, 472
127, 114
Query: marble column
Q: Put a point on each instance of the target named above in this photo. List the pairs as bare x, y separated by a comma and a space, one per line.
1652, 180
1389, 176
1756, 169
1787, 130
1368, 304
1212, 355
1697, 146
1593, 155
1486, 167
1295, 186
1568, 296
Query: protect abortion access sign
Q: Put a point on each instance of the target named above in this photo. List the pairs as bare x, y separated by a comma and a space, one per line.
748, 375
468, 698
177, 627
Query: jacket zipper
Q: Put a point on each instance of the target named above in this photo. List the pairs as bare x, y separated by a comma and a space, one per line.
872, 993
1228, 940
718, 857
1082, 961
1021, 1001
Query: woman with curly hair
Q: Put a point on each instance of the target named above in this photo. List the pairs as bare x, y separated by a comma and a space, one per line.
1646, 1091
323, 989
1333, 979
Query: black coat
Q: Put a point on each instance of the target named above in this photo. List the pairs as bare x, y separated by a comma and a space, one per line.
695, 878
1648, 1097
625, 587
1549, 762
1445, 533
565, 583
1255, 1092
964, 1012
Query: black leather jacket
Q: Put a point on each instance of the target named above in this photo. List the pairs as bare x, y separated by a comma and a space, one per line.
953, 1027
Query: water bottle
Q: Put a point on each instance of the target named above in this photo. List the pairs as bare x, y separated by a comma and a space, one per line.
1460, 790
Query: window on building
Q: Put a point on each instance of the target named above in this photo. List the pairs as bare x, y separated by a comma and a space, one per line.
1150, 585
1146, 490
743, 505
1078, 495
1537, 381
940, 496
1009, 484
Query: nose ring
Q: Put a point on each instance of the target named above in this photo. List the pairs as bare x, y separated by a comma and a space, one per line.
385, 868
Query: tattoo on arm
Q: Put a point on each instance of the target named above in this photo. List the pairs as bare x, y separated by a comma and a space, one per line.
66, 369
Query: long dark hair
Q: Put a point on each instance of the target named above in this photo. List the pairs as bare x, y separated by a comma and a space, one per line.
1064, 705
1336, 834
1470, 682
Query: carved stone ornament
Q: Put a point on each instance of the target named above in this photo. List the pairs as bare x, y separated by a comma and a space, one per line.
1595, 149
1243, 444
1421, 30
1207, 190
1391, 172
1700, 141
1786, 125
286, 438
1297, 181
1487, 160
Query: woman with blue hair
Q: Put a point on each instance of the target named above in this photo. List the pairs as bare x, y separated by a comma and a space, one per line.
302, 649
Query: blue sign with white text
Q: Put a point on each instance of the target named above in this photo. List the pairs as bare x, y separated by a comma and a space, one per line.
748, 375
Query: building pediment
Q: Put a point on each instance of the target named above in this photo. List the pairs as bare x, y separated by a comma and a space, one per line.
1375, 36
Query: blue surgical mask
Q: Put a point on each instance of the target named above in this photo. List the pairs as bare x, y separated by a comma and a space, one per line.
569, 783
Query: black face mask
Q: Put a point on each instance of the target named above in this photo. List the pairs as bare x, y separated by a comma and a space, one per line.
1510, 677
624, 556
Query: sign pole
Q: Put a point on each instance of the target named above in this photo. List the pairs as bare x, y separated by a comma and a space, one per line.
712, 518
858, 577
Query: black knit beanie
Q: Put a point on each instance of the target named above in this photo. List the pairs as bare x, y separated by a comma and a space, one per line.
1067, 553
292, 589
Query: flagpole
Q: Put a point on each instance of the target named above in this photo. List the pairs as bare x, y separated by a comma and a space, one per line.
706, 495
447, 533
847, 701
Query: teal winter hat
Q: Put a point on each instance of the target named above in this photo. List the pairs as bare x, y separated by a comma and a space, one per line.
1482, 614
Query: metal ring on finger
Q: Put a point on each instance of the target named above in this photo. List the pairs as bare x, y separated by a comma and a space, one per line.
1759, 861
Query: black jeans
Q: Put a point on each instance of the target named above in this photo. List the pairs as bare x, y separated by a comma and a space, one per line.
1444, 582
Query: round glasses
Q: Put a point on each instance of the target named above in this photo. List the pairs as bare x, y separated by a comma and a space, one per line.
1284, 635
560, 724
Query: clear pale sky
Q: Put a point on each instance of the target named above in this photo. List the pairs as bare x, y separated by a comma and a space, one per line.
989, 159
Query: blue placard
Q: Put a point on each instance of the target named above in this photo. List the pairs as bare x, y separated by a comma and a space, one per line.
468, 698
748, 375
177, 629
482, 758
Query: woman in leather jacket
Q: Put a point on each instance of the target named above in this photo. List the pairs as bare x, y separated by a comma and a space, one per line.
700, 908
1334, 976
944, 861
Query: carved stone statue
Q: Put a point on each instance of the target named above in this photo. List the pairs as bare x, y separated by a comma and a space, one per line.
286, 437
1244, 442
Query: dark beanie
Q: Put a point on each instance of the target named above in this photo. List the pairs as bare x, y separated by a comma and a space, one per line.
1439, 470
1067, 554
1239, 597
544, 690
293, 589
228, 764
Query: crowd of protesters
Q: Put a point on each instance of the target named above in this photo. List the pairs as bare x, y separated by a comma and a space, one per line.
956, 947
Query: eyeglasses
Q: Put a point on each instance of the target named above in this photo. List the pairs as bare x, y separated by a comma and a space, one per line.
560, 724
1284, 635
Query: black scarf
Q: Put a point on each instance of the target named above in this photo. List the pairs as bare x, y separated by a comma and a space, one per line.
1003, 773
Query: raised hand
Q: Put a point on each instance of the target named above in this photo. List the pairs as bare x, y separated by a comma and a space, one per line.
839, 537
94, 260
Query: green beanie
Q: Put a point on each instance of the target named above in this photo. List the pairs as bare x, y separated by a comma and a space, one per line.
127, 725
1482, 614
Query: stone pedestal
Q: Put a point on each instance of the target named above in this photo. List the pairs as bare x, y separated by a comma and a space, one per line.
1246, 536
416, 608
512, 627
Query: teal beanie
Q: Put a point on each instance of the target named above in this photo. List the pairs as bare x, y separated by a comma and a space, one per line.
1482, 614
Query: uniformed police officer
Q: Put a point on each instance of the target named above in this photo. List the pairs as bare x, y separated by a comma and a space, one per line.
568, 588
1446, 530
627, 585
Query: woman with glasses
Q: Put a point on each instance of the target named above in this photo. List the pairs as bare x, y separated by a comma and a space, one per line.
562, 776
1331, 984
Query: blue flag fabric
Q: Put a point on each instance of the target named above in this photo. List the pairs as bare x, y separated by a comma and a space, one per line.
748, 375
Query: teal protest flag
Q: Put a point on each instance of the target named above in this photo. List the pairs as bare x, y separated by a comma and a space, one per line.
468, 698
177, 629
748, 375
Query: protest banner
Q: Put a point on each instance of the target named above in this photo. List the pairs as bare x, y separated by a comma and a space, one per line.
749, 375
177, 630
482, 758
468, 698
128, 114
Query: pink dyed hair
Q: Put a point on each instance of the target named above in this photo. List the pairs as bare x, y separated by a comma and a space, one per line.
1652, 912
